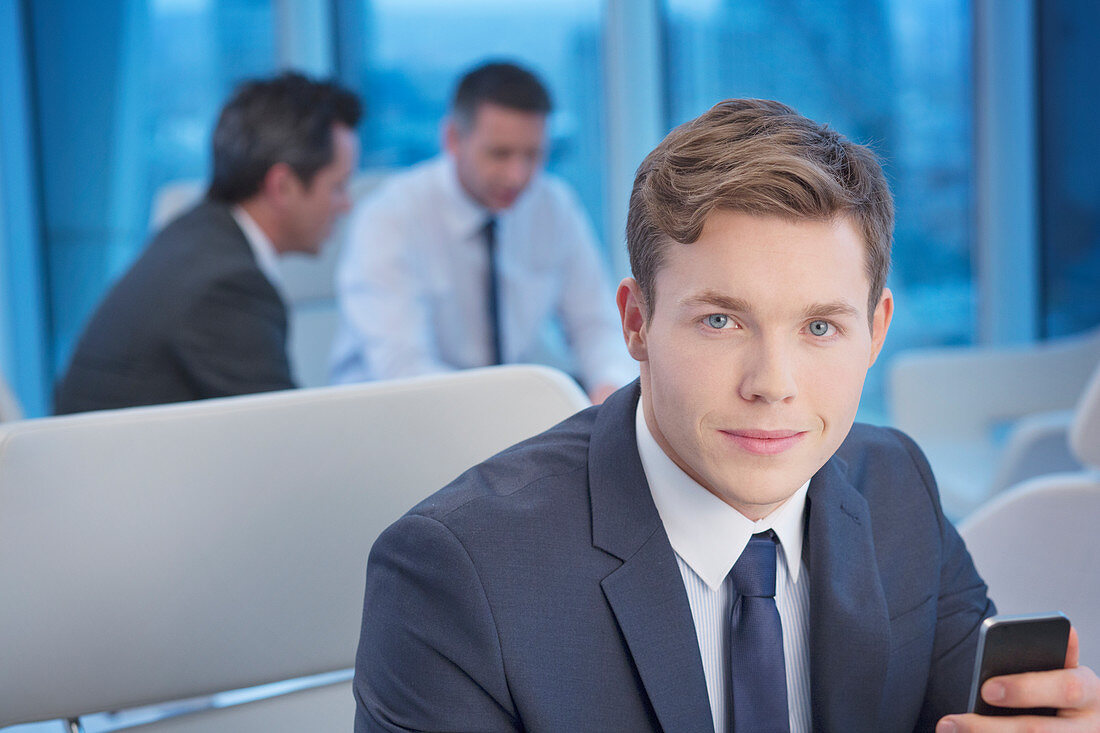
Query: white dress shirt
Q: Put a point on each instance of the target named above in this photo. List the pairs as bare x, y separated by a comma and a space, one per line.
708, 536
267, 259
413, 280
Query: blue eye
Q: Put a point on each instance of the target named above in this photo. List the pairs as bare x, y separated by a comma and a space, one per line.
820, 328
717, 320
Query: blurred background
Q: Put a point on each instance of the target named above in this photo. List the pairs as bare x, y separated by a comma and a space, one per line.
984, 112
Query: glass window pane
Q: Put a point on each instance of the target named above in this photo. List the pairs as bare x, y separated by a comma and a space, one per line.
127, 93
200, 50
1069, 158
891, 73
411, 53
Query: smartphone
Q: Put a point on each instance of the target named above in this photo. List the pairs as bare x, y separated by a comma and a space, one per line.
1015, 644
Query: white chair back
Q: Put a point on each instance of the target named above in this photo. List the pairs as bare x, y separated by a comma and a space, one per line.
968, 390
988, 417
1038, 548
172, 199
163, 553
9, 405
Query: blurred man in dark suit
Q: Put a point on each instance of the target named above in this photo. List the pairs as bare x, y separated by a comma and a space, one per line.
200, 314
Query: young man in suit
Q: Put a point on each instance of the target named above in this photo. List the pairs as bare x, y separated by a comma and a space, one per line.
716, 547
200, 314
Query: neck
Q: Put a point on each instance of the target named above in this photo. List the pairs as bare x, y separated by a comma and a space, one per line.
266, 219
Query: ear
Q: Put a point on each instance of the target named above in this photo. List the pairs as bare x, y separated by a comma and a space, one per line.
452, 136
278, 182
880, 323
632, 312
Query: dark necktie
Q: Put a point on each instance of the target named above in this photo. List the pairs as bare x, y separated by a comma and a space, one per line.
493, 291
758, 680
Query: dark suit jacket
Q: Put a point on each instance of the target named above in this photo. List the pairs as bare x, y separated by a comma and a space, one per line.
194, 317
539, 592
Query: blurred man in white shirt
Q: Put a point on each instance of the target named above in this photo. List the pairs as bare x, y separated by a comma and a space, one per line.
478, 257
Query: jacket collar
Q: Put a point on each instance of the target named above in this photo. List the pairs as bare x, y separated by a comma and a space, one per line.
646, 593
849, 622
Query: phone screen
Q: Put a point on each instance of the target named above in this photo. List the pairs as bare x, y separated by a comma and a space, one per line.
1015, 644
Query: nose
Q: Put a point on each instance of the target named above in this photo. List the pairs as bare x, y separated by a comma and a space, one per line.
518, 171
769, 373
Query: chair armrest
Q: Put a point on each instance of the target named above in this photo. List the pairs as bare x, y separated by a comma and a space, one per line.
1038, 445
1084, 433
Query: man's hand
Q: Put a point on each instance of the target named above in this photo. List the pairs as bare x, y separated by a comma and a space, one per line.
601, 392
1074, 691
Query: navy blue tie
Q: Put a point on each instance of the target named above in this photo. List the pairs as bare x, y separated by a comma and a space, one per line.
494, 291
758, 679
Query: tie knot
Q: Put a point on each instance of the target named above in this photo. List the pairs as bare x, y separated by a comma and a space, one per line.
754, 572
490, 228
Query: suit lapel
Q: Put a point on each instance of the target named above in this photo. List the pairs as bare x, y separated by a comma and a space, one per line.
849, 625
646, 593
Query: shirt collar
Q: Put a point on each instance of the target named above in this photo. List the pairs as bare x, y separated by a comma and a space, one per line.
262, 249
707, 533
463, 215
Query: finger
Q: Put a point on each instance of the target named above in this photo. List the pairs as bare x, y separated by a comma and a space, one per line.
1073, 650
973, 723
1058, 688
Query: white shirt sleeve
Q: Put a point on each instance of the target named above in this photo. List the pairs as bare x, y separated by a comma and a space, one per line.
410, 283
383, 299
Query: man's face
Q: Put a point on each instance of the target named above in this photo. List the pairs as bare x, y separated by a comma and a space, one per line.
312, 209
753, 359
498, 155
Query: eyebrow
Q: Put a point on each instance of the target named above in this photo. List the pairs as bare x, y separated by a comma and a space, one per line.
716, 299
834, 309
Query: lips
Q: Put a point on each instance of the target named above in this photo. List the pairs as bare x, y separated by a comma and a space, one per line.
765, 442
504, 199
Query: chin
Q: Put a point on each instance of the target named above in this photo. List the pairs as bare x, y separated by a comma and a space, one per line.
765, 487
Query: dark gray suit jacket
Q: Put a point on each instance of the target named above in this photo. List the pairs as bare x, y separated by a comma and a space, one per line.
539, 592
194, 317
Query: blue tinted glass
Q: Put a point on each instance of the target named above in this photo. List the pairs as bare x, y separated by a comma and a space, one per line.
23, 352
200, 50
892, 74
412, 52
1069, 158
127, 93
